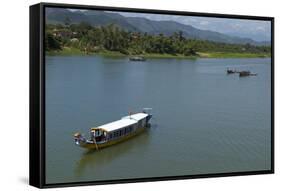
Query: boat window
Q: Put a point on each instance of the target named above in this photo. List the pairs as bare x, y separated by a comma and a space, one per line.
97, 132
115, 134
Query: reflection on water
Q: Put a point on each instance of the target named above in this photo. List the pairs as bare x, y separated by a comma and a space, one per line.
103, 157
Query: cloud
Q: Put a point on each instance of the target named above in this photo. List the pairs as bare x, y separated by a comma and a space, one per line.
261, 28
204, 23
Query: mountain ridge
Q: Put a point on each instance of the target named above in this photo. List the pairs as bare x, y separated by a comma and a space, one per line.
140, 24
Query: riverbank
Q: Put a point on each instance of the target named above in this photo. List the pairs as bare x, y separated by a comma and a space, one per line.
232, 55
66, 51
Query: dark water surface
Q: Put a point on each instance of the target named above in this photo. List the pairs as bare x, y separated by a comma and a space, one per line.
204, 120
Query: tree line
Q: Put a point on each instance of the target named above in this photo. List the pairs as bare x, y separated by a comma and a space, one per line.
112, 38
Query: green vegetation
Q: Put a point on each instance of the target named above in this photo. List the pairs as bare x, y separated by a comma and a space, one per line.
83, 39
233, 55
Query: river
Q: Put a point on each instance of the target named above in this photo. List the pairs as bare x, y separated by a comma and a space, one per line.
204, 121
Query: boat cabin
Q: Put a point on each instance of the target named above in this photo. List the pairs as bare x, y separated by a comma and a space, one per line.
120, 128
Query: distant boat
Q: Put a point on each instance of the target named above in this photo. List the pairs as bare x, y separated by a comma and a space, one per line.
115, 132
231, 71
137, 58
241, 73
246, 73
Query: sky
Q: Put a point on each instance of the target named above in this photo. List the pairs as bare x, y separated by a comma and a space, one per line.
254, 29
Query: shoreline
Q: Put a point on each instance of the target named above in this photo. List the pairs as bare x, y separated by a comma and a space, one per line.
77, 52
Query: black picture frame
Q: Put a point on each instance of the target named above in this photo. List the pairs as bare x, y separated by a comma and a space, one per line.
37, 95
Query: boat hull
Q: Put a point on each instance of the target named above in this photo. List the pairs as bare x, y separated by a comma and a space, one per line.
93, 146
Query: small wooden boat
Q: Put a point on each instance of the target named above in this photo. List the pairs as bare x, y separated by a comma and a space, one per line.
231, 71
137, 58
115, 132
246, 73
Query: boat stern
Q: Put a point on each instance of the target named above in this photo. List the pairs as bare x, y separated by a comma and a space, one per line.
148, 111
148, 117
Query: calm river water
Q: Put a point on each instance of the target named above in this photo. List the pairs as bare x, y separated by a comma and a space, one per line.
205, 121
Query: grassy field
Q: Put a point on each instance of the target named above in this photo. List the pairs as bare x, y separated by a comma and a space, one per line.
232, 55
76, 52
66, 51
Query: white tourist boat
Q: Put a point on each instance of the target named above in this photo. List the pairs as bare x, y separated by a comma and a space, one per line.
116, 131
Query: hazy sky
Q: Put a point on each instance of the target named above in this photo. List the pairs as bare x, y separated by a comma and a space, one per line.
254, 29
